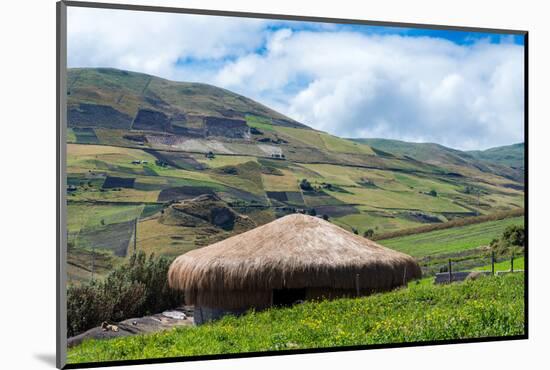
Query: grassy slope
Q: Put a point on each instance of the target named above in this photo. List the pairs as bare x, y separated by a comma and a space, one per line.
369, 220
491, 306
451, 240
510, 155
494, 160
419, 151
129, 91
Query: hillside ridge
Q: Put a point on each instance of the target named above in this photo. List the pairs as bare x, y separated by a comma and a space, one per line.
506, 161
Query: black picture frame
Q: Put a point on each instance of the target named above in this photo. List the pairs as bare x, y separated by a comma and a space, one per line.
61, 117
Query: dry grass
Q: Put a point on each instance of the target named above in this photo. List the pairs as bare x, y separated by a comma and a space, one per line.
296, 251
286, 182
92, 150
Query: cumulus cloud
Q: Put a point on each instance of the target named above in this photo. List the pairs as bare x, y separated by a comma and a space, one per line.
351, 84
157, 43
409, 88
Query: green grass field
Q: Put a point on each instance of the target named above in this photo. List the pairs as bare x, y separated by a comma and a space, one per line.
259, 122
383, 199
336, 144
519, 264
82, 215
451, 240
487, 307
364, 221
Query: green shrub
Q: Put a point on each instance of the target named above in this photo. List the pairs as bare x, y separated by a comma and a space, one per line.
511, 241
87, 306
368, 233
306, 185
514, 235
137, 288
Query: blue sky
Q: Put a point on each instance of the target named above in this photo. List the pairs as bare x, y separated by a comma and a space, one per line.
460, 89
458, 37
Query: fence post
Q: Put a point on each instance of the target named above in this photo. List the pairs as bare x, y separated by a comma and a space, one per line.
135, 235
450, 271
493, 262
357, 285
93, 261
512, 263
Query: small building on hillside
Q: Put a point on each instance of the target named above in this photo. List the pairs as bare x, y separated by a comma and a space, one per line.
294, 258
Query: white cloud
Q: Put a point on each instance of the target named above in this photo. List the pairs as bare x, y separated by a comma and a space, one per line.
155, 42
347, 83
409, 88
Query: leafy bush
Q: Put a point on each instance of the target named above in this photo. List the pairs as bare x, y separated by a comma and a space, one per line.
511, 241
514, 235
306, 185
137, 288
86, 307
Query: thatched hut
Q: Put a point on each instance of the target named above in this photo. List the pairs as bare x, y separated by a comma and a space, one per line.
296, 257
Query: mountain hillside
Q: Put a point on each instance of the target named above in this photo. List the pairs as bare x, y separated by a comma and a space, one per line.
114, 107
506, 161
123, 99
509, 155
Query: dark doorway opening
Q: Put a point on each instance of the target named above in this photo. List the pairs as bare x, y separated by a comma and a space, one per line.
287, 297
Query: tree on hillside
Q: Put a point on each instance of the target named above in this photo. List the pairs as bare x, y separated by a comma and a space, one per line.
368, 233
514, 235
511, 241
306, 185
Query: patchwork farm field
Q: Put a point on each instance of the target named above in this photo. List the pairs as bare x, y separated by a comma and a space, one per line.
486, 307
112, 186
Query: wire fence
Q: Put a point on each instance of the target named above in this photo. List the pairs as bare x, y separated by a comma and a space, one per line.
457, 270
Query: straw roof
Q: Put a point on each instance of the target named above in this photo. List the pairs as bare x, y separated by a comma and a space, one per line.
295, 251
